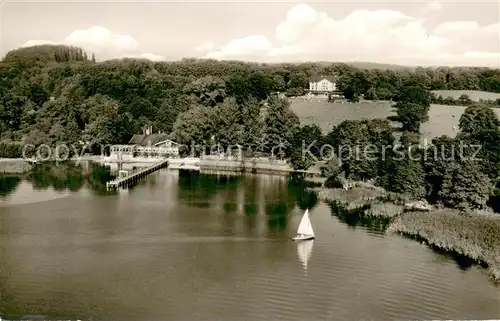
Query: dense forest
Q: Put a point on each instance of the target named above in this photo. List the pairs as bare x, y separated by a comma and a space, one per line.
58, 94
50, 94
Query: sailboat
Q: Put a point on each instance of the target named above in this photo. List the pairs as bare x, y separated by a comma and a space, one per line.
305, 230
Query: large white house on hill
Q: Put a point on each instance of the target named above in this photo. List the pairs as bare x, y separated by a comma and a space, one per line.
323, 84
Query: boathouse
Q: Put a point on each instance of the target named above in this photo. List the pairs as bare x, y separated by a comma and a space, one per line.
146, 145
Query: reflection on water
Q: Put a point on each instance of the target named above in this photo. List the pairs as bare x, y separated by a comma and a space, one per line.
356, 217
463, 262
97, 178
47, 181
304, 251
195, 186
185, 246
281, 194
305, 198
59, 176
8, 184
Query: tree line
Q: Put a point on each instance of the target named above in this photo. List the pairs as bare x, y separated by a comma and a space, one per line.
463, 100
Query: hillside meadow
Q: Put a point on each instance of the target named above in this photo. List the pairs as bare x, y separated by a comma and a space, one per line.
443, 119
474, 95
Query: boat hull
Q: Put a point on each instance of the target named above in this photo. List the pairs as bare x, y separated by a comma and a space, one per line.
303, 238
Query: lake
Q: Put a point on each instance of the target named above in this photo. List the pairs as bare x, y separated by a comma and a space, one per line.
184, 246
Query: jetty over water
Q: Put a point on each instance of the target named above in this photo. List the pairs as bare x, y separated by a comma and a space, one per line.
135, 176
205, 165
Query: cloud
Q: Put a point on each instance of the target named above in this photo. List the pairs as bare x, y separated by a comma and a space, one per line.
251, 46
152, 57
432, 7
206, 47
99, 36
385, 36
103, 42
31, 43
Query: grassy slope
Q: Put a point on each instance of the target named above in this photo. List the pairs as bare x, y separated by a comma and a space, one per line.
473, 94
441, 118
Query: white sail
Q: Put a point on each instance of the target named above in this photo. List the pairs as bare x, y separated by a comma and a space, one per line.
305, 226
304, 251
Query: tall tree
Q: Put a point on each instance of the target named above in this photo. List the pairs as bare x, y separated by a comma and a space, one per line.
280, 126
353, 85
228, 124
478, 118
413, 107
479, 129
11, 109
408, 178
253, 123
194, 126
437, 158
307, 141
465, 187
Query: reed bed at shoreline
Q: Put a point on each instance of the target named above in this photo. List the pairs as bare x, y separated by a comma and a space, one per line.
14, 166
374, 201
315, 179
351, 196
474, 235
389, 210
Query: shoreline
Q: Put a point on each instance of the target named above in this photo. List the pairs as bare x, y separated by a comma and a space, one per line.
474, 235
19, 166
15, 166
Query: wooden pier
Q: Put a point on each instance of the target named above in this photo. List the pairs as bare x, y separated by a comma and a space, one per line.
135, 176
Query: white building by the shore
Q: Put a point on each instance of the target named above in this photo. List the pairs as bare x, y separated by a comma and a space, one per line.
145, 145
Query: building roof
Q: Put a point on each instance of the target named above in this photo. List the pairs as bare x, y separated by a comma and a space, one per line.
145, 140
318, 78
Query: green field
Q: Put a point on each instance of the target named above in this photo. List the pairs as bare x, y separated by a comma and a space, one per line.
473, 94
442, 118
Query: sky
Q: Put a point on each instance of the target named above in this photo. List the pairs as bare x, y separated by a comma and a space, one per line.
397, 32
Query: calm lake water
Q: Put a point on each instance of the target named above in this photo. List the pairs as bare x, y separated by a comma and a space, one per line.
197, 247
